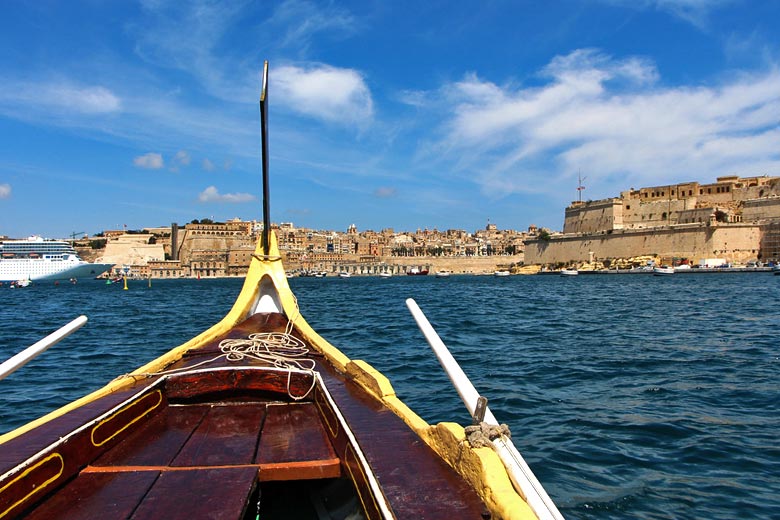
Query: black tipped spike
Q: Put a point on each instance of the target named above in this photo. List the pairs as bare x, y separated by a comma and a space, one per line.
264, 138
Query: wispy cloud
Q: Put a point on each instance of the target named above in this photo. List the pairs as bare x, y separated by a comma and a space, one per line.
695, 12
182, 158
5, 191
611, 119
300, 21
149, 161
57, 95
211, 194
385, 192
328, 93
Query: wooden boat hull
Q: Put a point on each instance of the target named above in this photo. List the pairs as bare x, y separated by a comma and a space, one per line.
163, 440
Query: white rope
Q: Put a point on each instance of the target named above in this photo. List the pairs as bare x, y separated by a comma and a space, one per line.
279, 349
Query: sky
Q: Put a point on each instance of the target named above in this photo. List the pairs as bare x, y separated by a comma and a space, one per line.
383, 114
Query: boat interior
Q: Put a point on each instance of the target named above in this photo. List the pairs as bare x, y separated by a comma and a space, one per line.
220, 436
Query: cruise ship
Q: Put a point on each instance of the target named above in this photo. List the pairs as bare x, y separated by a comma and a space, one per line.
39, 259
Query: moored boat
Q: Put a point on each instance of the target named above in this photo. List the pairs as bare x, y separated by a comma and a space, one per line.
416, 271
258, 417
569, 272
37, 259
663, 270
443, 273
501, 273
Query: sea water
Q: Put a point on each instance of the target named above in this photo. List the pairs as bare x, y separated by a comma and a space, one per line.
630, 396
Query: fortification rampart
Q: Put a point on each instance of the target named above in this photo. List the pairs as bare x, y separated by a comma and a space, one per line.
733, 242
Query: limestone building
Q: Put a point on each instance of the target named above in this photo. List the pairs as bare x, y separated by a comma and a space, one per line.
735, 218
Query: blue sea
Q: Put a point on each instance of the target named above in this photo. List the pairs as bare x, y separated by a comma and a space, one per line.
630, 396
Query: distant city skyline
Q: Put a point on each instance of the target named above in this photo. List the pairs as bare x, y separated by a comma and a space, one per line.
382, 114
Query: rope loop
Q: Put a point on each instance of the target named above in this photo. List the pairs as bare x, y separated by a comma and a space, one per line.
481, 435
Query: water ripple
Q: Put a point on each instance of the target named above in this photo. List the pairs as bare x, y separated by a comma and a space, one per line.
629, 396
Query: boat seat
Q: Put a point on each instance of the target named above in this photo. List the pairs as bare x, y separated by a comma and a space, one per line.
194, 460
214, 493
294, 445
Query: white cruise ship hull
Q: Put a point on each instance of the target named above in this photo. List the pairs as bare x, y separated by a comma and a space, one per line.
44, 269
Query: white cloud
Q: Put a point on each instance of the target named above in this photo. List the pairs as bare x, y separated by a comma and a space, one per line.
302, 20
695, 12
208, 165
182, 158
149, 161
610, 119
61, 97
385, 192
211, 194
5, 191
324, 92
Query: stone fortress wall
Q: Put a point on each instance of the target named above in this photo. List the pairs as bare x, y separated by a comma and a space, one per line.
734, 218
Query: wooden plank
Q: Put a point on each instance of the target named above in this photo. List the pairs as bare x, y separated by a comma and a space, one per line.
214, 494
28, 444
234, 383
158, 443
227, 435
102, 496
415, 481
294, 445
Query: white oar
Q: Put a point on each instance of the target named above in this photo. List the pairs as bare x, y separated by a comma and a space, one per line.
521, 475
28, 354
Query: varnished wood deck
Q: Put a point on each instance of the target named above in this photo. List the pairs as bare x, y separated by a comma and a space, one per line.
201, 446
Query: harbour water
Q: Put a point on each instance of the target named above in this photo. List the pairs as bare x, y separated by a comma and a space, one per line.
629, 396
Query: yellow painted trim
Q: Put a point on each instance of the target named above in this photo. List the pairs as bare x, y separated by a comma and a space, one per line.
36, 489
327, 414
349, 449
113, 416
370, 378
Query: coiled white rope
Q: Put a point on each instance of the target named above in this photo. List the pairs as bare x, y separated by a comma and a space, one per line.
279, 349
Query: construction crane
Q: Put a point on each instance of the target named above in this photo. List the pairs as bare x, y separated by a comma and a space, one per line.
74, 235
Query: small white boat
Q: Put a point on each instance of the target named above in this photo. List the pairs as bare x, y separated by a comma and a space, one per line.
444, 273
682, 267
663, 270
344, 274
501, 273
385, 275
569, 272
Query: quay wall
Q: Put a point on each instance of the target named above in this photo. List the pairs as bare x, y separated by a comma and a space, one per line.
733, 242
400, 265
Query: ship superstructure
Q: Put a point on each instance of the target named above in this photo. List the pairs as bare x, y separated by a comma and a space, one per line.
37, 259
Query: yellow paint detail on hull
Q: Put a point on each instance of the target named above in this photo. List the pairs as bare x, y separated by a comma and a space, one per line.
37, 488
147, 403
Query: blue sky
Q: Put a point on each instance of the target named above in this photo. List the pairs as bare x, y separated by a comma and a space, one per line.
396, 114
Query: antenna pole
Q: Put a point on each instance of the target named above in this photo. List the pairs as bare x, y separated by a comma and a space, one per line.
580, 187
264, 138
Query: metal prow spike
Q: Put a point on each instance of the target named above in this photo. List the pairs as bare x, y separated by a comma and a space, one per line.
264, 139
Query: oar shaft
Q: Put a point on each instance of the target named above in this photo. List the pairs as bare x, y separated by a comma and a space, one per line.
517, 469
28, 354
460, 380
